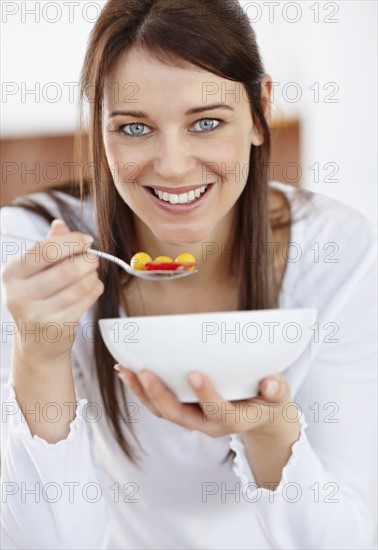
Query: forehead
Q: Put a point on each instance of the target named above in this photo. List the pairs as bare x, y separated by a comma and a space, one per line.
152, 81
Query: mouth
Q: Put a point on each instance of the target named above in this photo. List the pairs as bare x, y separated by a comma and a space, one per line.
183, 198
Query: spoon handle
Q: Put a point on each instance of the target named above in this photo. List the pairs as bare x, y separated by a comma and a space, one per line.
113, 259
99, 253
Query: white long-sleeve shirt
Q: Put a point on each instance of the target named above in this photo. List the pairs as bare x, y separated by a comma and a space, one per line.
87, 494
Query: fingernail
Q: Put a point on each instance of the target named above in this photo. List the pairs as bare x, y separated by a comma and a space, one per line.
196, 380
144, 380
116, 367
88, 239
271, 388
57, 221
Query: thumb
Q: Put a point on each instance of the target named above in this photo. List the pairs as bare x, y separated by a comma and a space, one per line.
58, 227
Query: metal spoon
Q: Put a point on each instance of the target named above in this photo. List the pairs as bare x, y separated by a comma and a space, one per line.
168, 275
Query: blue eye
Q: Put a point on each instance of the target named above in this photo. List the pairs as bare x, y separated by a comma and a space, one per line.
206, 125
135, 129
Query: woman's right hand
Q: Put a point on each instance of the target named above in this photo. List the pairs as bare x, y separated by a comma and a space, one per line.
47, 296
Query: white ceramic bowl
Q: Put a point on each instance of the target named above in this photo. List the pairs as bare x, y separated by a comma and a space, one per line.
235, 349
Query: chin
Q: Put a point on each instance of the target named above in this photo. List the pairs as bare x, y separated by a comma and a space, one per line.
180, 236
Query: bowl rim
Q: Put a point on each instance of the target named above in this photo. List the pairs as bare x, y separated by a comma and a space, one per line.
312, 310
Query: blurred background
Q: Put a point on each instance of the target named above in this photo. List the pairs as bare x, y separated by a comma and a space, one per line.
322, 57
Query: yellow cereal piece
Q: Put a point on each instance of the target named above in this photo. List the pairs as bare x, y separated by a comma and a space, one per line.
163, 260
139, 261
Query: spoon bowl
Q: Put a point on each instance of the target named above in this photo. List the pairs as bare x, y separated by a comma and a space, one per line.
166, 275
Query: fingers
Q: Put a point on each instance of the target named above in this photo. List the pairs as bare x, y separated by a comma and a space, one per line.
169, 407
131, 380
151, 391
61, 276
56, 281
47, 253
212, 404
275, 389
60, 305
213, 415
58, 227
67, 305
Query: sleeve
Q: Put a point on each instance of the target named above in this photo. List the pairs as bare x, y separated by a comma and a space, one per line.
51, 493
326, 498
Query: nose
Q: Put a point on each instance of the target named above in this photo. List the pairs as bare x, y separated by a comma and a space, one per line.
173, 160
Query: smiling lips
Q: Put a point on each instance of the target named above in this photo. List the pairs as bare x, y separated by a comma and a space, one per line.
182, 198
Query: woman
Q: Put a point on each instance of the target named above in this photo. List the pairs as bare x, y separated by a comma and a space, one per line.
163, 126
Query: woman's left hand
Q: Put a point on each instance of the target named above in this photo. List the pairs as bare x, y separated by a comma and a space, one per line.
268, 414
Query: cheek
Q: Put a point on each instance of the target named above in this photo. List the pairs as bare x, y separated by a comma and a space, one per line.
117, 154
233, 159
123, 164
234, 147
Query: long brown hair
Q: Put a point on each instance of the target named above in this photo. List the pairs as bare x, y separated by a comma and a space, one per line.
213, 35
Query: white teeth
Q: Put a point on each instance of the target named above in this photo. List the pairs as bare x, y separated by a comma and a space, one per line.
183, 198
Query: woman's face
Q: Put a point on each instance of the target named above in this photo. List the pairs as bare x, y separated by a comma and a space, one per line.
178, 141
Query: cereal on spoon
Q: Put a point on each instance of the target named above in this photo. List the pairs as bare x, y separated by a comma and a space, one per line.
143, 262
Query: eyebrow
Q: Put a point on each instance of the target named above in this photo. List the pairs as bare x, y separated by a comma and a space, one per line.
194, 111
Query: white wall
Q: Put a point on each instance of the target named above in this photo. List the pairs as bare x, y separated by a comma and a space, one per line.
297, 44
43, 51
342, 57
